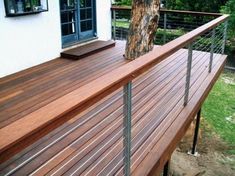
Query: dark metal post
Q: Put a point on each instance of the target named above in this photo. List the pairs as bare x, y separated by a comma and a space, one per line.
127, 128
166, 169
188, 76
195, 138
165, 23
212, 49
224, 35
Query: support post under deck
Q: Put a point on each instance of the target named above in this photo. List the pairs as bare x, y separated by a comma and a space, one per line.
166, 169
196, 131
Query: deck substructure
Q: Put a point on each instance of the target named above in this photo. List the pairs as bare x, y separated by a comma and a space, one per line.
91, 143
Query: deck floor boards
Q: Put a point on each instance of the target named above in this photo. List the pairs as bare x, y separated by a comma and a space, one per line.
91, 142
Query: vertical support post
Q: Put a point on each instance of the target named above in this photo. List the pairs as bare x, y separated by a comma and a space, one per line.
224, 35
212, 49
165, 25
188, 76
127, 127
114, 24
195, 138
166, 169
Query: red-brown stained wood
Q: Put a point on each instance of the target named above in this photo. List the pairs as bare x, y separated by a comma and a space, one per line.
72, 107
49, 117
165, 76
88, 49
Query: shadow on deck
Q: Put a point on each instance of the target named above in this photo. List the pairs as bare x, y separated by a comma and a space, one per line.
91, 142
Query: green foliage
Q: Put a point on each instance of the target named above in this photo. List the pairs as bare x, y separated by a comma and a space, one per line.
196, 5
123, 2
229, 8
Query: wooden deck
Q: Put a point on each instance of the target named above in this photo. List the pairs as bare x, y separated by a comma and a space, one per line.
91, 143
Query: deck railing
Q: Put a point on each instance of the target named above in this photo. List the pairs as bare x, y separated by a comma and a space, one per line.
172, 23
48, 118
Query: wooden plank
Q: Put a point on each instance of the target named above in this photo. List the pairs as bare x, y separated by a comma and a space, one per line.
101, 147
30, 72
159, 113
181, 125
50, 116
54, 88
148, 91
88, 49
162, 72
160, 67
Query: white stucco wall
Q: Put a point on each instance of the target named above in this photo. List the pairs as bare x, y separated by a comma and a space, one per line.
103, 19
27, 41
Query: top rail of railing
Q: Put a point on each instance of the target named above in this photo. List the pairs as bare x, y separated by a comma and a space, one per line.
52, 115
172, 11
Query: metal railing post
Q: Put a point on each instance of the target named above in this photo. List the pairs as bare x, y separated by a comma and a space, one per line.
224, 35
114, 24
188, 76
165, 23
212, 49
127, 127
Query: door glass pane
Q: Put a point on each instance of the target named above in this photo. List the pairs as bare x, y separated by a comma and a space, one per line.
67, 16
67, 4
88, 3
82, 3
68, 29
83, 26
83, 14
85, 3
86, 25
89, 14
89, 25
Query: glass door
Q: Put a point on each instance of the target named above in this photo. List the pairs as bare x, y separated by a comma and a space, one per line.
77, 20
68, 16
86, 18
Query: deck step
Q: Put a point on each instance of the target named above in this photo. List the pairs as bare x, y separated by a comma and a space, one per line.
87, 50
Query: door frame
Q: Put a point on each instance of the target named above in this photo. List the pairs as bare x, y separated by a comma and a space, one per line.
74, 39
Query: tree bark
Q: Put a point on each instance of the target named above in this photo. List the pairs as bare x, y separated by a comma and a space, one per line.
144, 21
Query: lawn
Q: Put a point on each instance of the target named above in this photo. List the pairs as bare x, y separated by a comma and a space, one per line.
219, 109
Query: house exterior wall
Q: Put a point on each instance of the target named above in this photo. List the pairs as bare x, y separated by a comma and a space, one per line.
30, 40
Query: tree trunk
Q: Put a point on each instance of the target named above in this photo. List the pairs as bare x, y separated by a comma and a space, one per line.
144, 21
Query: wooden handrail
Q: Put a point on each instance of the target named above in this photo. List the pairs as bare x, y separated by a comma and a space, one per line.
172, 11
40, 122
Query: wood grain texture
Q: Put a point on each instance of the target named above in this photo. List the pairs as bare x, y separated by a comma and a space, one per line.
94, 147
50, 115
38, 102
88, 49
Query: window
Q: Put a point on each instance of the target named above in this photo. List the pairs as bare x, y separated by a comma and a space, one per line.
25, 7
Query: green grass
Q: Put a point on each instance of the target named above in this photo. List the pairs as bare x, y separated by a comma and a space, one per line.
124, 24
219, 109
